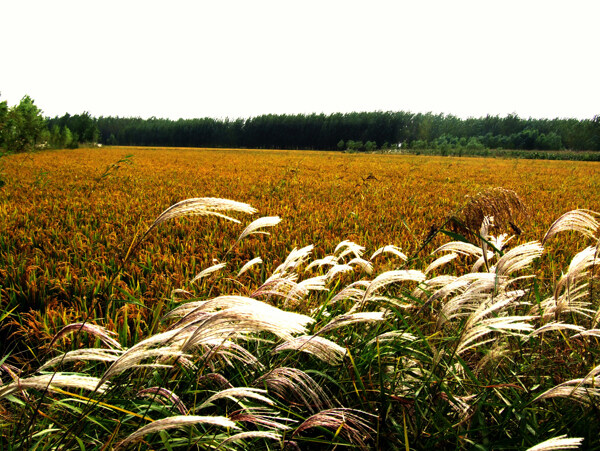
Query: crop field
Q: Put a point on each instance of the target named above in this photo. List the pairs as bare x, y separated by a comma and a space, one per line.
359, 349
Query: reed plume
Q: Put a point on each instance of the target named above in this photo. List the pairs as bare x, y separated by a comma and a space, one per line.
260, 223
292, 383
322, 348
560, 442
175, 422
54, 381
352, 425
582, 221
504, 205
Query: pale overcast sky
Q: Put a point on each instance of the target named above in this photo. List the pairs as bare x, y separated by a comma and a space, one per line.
242, 58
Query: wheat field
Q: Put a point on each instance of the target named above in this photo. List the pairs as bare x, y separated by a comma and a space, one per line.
119, 331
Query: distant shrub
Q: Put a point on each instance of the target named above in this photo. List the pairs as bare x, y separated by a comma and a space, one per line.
475, 144
418, 144
370, 146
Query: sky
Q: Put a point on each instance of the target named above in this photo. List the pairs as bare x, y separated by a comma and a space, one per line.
243, 58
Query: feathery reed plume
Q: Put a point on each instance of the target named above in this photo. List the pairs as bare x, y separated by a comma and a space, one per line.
212, 379
588, 333
476, 282
582, 221
175, 422
560, 442
353, 292
161, 395
237, 322
348, 247
592, 374
190, 311
390, 277
488, 222
392, 336
133, 356
248, 265
54, 381
479, 324
262, 416
459, 247
351, 318
578, 269
253, 227
440, 262
97, 331
503, 204
202, 206
426, 288
570, 301
330, 260
557, 326
276, 286
249, 435
284, 381
322, 348
579, 390
498, 243
103, 355
237, 393
301, 289
352, 425
338, 269
572, 287
390, 249
518, 258
514, 324
287, 288
216, 304
493, 356
179, 291
208, 271
362, 264
294, 259
477, 295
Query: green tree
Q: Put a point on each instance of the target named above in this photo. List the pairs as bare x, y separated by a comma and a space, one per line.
475, 144
370, 146
23, 127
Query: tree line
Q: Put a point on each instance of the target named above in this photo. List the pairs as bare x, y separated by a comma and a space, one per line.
359, 131
23, 127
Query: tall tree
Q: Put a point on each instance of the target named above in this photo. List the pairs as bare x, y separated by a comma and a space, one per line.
23, 127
